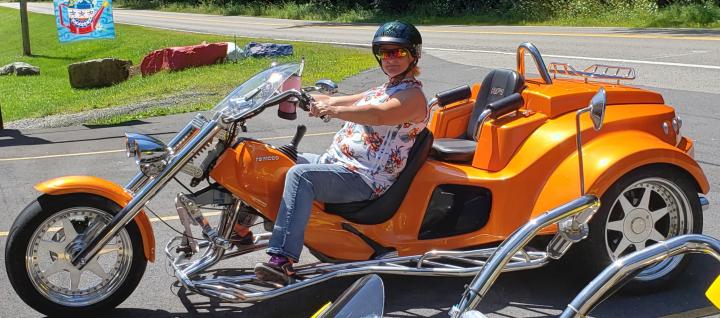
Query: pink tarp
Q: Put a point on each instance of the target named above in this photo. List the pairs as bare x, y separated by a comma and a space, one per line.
178, 58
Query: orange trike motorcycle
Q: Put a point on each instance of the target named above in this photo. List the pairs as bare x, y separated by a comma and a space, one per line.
494, 156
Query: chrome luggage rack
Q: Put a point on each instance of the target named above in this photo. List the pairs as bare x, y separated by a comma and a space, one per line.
594, 72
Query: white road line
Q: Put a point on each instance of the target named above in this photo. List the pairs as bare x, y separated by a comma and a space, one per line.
152, 220
123, 150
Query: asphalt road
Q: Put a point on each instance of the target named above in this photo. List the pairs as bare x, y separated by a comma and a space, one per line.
684, 65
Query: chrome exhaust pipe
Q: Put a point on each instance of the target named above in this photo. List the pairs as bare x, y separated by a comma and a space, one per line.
481, 284
619, 270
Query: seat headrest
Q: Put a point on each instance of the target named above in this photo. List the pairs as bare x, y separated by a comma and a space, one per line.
499, 83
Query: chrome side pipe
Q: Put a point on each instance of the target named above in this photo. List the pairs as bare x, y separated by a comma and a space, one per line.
481, 284
247, 288
145, 193
630, 265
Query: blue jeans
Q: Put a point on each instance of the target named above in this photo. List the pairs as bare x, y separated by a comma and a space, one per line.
304, 183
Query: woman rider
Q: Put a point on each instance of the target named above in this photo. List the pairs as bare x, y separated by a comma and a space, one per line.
366, 155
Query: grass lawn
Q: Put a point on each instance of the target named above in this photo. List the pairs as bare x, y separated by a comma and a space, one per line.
50, 93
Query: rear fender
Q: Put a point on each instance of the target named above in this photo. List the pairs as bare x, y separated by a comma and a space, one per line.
106, 189
607, 158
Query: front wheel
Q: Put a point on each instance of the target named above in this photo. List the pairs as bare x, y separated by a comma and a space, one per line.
40, 246
646, 206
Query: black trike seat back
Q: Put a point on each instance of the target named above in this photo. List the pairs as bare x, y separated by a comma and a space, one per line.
383, 208
497, 84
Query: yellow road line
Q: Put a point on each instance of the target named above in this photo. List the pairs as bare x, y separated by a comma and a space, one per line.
442, 30
123, 150
153, 220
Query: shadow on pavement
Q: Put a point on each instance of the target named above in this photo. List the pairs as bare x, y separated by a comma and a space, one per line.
16, 138
134, 122
13, 137
543, 292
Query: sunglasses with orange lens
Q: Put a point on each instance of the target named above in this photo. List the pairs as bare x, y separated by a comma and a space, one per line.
386, 54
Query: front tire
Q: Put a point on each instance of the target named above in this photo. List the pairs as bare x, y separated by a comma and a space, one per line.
645, 206
39, 248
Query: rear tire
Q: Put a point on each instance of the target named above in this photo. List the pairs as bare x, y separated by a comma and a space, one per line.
647, 205
44, 230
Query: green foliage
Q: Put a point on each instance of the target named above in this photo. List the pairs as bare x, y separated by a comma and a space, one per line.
50, 93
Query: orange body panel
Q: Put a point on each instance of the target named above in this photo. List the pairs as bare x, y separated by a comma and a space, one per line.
106, 189
500, 138
451, 120
255, 172
527, 160
566, 95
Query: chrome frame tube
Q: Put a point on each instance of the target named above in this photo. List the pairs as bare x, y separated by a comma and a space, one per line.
619, 270
137, 182
482, 118
240, 288
535, 53
145, 193
433, 102
326, 273
578, 141
481, 284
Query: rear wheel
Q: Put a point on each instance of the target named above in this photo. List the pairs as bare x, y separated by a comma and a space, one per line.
645, 206
40, 246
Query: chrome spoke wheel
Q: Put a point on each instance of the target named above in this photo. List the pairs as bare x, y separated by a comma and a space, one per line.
58, 239
646, 212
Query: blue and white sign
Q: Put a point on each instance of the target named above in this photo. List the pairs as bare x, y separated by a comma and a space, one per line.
79, 20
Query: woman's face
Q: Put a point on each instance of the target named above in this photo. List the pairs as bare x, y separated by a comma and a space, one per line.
392, 61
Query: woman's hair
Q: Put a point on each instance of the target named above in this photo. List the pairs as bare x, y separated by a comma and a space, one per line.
416, 71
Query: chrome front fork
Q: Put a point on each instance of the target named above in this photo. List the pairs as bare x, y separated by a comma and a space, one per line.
148, 187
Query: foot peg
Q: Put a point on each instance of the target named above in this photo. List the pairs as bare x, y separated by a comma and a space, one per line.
186, 206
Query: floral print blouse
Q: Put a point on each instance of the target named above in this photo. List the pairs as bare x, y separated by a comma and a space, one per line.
377, 153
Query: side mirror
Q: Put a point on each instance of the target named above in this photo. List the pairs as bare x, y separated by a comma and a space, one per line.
597, 108
326, 86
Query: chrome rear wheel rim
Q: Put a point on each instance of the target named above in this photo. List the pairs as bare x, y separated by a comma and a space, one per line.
60, 237
646, 212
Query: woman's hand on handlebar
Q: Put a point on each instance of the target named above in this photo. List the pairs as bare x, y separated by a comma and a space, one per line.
320, 108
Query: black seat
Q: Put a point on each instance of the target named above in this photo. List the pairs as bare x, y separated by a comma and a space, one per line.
383, 208
497, 84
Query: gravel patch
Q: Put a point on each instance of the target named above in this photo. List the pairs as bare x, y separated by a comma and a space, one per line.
64, 120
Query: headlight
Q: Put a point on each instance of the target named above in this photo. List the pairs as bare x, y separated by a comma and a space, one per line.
150, 153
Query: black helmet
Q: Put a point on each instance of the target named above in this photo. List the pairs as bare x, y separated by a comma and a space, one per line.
399, 33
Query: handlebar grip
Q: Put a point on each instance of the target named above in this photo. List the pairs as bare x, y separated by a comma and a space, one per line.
453, 95
506, 105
